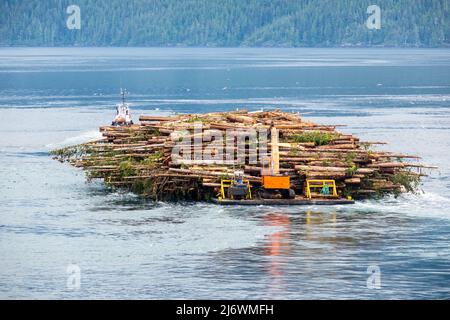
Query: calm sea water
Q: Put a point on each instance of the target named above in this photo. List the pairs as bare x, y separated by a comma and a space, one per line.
127, 247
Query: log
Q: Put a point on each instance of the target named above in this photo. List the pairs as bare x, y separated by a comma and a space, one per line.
387, 165
240, 118
352, 181
157, 118
328, 175
319, 169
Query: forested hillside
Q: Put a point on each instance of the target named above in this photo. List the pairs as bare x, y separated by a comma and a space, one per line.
290, 23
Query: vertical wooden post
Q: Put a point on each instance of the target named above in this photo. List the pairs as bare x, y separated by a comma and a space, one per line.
275, 153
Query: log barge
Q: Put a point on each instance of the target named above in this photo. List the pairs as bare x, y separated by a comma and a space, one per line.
187, 157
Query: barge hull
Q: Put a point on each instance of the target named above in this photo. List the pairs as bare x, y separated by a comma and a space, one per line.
284, 202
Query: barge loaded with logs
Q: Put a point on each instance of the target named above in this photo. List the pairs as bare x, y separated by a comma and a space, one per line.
241, 158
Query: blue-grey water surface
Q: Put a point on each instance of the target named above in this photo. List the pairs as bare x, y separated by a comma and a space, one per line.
127, 247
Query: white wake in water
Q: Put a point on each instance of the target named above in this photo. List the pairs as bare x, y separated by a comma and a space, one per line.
426, 204
81, 138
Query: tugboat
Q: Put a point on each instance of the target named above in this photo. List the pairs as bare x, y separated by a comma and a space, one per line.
123, 115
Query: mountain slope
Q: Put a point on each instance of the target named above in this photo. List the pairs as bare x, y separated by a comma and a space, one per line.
289, 23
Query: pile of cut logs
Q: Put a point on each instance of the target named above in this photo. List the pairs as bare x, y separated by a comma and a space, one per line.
142, 157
